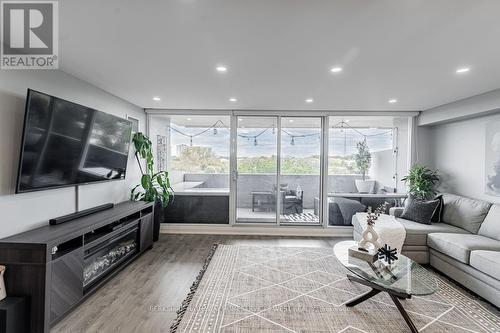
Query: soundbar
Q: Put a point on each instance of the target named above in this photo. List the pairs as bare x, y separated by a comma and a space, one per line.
82, 213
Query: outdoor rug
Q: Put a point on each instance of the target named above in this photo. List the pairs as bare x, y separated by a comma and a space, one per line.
300, 218
286, 289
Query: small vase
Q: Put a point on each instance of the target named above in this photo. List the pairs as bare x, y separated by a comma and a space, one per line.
3, 292
369, 239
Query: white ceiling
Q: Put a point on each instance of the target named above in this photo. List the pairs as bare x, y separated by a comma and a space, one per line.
279, 52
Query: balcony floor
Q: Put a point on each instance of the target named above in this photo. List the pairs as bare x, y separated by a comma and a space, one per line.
245, 215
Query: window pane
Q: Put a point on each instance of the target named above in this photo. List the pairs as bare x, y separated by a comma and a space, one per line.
195, 151
257, 169
362, 164
300, 170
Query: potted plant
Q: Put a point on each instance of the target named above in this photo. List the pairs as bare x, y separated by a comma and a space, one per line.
363, 160
155, 186
421, 182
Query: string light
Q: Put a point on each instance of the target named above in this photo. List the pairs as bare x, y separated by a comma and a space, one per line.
341, 125
294, 136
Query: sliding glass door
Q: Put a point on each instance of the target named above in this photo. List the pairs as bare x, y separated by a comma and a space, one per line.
278, 170
300, 171
256, 174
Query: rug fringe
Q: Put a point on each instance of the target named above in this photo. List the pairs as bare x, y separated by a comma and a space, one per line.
192, 290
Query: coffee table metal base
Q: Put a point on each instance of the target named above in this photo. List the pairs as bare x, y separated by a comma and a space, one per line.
376, 289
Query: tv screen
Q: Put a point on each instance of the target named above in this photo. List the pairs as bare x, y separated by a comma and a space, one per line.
66, 144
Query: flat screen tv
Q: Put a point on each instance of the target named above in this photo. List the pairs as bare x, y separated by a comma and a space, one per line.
66, 144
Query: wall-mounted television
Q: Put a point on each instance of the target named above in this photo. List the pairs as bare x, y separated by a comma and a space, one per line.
67, 144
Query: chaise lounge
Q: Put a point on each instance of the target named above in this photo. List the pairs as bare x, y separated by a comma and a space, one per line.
465, 245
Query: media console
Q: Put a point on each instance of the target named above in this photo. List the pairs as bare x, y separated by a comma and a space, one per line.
56, 267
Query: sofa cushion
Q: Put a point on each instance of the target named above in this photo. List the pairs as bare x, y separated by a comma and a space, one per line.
487, 262
491, 225
463, 212
416, 233
459, 246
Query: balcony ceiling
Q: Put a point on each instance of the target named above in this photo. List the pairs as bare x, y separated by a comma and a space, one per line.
280, 52
288, 122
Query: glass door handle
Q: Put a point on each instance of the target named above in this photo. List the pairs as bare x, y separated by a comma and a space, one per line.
234, 175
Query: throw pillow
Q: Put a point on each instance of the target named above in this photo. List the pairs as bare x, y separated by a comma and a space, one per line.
436, 217
420, 211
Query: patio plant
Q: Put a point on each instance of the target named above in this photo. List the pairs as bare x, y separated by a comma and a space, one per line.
421, 182
155, 186
363, 158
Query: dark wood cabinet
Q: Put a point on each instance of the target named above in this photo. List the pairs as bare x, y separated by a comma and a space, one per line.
57, 267
66, 283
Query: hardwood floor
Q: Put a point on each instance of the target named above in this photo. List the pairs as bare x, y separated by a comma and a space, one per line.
146, 295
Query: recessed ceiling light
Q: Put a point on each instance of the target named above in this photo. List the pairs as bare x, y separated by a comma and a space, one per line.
239, 119
233, 99
156, 98
347, 120
336, 69
221, 69
309, 100
188, 119
392, 100
291, 120
462, 70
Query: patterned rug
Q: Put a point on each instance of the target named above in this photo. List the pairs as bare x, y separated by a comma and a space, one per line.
285, 289
300, 218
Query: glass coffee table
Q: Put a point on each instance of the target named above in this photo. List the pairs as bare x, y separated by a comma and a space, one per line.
404, 279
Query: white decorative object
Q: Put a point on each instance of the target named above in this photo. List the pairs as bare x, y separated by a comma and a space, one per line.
369, 239
3, 292
389, 230
161, 152
492, 156
365, 186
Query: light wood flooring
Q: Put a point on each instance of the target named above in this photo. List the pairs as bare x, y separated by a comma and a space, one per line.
145, 296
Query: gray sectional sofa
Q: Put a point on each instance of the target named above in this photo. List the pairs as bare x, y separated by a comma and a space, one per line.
465, 245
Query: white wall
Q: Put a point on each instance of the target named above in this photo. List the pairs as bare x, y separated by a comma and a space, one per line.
25, 211
424, 143
457, 150
383, 168
479, 105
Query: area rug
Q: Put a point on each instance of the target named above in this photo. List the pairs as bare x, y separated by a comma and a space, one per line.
300, 218
287, 289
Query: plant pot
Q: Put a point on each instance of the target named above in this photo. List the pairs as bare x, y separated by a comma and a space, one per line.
365, 186
159, 215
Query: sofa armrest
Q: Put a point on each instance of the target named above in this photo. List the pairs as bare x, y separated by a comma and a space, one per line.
396, 211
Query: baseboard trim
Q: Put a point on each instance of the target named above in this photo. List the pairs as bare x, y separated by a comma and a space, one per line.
255, 230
